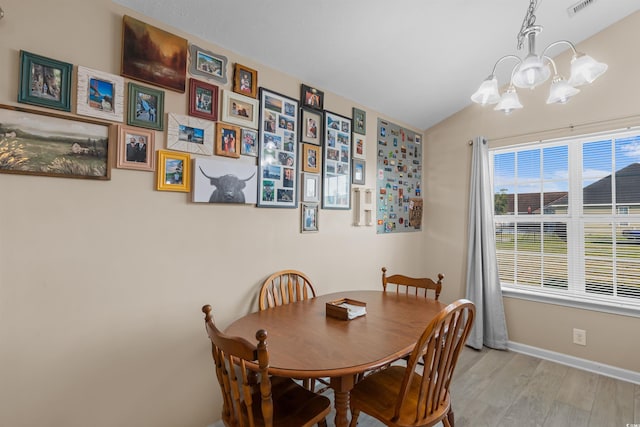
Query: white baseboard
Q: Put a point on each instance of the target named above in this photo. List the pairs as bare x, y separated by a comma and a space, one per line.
576, 362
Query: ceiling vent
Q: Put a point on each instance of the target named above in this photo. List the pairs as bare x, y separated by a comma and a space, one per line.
579, 7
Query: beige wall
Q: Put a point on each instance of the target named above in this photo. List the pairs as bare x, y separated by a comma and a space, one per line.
610, 103
101, 283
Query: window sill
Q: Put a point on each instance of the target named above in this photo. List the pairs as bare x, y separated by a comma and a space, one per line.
575, 302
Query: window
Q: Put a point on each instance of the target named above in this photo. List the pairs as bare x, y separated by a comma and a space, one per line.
567, 219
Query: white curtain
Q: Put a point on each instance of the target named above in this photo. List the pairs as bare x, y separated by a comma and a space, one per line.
483, 283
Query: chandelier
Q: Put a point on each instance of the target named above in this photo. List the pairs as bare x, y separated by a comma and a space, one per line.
534, 70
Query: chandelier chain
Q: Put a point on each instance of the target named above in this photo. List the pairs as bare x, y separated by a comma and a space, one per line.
528, 21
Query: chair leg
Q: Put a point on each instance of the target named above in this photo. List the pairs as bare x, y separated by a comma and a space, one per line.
449, 419
354, 418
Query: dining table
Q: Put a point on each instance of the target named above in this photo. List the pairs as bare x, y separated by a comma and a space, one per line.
304, 342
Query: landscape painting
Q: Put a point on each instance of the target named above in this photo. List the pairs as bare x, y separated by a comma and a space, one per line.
153, 55
52, 145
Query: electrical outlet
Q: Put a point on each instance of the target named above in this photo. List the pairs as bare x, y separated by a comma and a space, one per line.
579, 336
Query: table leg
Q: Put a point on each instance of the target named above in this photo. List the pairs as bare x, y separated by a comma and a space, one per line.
341, 387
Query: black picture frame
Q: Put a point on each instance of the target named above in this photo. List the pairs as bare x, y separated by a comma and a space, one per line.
336, 162
311, 97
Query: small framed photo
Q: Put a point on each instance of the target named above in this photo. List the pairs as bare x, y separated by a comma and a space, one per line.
227, 140
311, 97
174, 171
309, 218
146, 107
44, 82
239, 109
203, 100
100, 94
245, 81
359, 172
311, 158
359, 121
135, 149
190, 134
359, 147
249, 145
207, 64
310, 187
310, 126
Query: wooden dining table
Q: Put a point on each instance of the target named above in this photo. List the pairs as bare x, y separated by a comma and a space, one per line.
304, 342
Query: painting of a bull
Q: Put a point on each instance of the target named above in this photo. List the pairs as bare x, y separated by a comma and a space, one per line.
224, 181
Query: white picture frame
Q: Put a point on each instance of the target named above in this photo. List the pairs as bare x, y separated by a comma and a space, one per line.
190, 134
359, 150
100, 94
310, 187
239, 109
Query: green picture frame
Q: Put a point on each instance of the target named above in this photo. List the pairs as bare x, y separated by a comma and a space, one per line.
44, 81
146, 107
359, 121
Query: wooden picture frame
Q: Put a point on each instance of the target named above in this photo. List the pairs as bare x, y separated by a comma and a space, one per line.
310, 126
146, 107
311, 97
218, 180
100, 94
189, 134
203, 100
44, 81
310, 188
249, 143
245, 80
358, 172
359, 121
239, 110
42, 143
336, 162
309, 218
204, 63
278, 151
174, 171
359, 150
143, 46
311, 158
227, 140
136, 149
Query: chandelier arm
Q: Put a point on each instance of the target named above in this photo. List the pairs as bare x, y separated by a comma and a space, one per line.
554, 44
493, 72
553, 63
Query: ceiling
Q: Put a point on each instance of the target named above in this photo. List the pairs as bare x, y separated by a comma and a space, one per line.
416, 61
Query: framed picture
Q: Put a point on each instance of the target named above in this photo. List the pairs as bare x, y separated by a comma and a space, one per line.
146, 107
44, 82
136, 149
239, 109
224, 181
249, 142
310, 158
227, 140
203, 100
311, 97
310, 126
310, 187
309, 218
336, 162
152, 55
245, 80
359, 172
277, 151
100, 95
174, 171
359, 146
190, 134
204, 63
42, 143
359, 121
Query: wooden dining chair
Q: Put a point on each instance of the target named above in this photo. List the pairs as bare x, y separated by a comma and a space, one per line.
253, 398
418, 395
284, 287
407, 284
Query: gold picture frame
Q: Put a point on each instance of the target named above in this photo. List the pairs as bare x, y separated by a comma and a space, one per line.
227, 140
245, 80
174, 171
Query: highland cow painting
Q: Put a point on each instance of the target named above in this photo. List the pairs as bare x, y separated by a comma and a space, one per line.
152, 55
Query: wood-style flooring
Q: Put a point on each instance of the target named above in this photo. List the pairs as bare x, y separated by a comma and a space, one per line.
505, 389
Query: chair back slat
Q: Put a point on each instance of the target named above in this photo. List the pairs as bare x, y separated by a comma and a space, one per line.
412, 285
285, 287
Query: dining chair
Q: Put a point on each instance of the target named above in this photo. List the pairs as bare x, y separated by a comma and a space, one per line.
252, 398
284, 287
418, 395
419, 286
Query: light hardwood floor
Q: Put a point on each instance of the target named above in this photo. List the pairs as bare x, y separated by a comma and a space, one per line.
505, 389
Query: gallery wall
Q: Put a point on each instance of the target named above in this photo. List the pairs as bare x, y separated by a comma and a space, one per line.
101, 282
